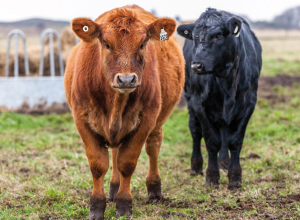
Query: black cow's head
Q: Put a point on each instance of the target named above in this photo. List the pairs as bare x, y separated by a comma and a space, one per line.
214, 36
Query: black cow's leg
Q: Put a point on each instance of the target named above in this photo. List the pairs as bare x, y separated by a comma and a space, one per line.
196, 132
212, 172
213, 145
224, 159
235, 170
235, 145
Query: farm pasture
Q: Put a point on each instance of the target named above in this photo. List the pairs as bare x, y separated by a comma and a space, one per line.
44, 172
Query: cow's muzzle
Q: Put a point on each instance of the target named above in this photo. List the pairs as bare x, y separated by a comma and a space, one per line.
198, 67
126, 82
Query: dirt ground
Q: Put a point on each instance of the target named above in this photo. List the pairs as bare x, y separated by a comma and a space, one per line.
268, 87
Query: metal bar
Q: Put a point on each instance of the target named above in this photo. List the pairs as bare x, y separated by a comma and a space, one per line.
61, 64
26, 63
7, 56
52, 62
16, 61
42, 56
50, 32
16, 34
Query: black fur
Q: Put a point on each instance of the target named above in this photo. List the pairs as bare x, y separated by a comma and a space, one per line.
222, 99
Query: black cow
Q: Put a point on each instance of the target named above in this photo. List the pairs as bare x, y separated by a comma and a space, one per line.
226, 57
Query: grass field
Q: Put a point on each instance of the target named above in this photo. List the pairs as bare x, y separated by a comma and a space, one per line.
44, 173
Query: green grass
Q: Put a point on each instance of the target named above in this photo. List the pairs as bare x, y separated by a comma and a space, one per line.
273, 67
44, 172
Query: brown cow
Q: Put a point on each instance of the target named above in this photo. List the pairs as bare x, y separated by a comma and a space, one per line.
122, 83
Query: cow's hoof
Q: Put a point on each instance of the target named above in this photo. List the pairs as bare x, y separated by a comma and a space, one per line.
211, 185
124, 207
234, 186
223, 164
114, 188
154, 192
196, 166
96, 216
212, 181
97, 208
196, 172
154, 198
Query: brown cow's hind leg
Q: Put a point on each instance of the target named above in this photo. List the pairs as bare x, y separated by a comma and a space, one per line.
153, 180
115, 177
126, 161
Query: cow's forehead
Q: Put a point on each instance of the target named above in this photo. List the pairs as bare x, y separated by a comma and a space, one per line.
209, 23
128, 26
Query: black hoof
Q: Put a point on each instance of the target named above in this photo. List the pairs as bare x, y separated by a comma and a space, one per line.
234, 186
97, 208
124, 207
196, 166
196, 172
223, 164
211, 185
114, 188
212, 178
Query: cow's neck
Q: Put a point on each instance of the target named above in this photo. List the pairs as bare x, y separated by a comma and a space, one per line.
228, 87
119, 102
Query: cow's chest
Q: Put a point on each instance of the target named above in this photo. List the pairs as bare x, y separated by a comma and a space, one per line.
113, 126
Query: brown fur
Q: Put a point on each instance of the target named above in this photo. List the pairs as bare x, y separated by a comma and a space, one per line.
123, 121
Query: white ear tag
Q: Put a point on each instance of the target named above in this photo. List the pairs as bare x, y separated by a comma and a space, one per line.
163, 34
236, 30
85, 28
186, 32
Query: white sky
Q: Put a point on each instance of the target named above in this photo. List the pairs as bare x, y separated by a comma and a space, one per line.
13, 10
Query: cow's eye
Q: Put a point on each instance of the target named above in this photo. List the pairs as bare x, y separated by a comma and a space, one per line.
142, 46
106, 45
217, 37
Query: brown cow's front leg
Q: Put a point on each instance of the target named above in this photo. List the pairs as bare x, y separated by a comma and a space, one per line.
153, 180
127, 157
115, 176
98, 158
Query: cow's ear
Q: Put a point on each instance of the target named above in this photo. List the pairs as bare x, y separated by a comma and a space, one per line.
161, 29
186, 30
234, 25
86, 29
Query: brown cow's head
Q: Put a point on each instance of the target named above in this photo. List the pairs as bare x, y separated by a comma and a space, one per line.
123, 39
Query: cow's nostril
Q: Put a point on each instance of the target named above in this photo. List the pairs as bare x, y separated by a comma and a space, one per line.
120, 82
133, 80
197, 67
200, 66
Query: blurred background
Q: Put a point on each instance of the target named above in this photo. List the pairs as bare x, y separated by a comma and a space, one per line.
44, 172
277, 25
